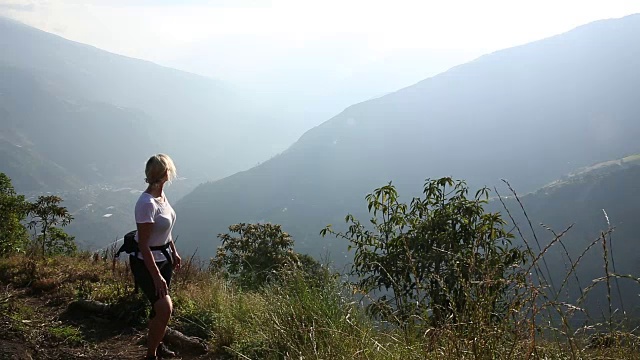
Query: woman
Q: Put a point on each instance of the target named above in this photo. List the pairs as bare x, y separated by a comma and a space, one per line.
153, 264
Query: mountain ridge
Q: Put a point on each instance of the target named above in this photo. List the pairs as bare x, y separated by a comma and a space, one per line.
523, 114
205, 120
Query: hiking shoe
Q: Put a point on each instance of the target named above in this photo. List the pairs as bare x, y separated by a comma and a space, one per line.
164, 352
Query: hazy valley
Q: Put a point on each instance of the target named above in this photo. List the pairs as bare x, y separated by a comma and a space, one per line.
556, 121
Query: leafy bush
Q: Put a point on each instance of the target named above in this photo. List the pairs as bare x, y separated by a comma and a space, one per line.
434, 258
45, 214
13, 209
259, 255
58, 242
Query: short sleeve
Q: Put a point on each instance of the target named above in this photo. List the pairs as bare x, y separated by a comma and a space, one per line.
144, 213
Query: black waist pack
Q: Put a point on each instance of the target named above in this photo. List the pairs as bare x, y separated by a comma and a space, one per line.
130, 246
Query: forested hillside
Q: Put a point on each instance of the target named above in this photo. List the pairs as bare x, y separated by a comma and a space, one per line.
529, 114
99, 115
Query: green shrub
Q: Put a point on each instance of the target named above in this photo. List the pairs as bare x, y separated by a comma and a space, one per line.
260, 254
440, 259
46, 213
13, 209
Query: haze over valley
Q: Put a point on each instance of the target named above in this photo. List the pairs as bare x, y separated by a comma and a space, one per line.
297, 130
529, 114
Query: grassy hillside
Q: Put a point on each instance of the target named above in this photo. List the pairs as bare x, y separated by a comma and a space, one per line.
292, 319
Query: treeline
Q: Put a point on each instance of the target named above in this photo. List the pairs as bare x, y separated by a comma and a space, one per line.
33, 227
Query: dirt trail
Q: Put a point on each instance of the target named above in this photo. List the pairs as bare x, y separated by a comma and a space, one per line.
27, 332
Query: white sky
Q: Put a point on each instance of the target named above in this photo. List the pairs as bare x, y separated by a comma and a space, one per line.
285, 45
156, 29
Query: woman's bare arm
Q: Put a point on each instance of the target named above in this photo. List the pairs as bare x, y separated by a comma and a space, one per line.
177, 260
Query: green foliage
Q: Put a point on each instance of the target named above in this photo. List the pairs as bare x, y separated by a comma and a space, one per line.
303, 320
259, 255
194, 318
289, 319
13, 209
65, 334
45, 214
58, 242
434, 258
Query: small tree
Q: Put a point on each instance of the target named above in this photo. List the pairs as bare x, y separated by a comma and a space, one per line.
59, 242
13, 210
46, 213
435, 257
258, 254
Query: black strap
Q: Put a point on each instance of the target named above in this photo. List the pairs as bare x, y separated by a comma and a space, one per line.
161, 247
163, 250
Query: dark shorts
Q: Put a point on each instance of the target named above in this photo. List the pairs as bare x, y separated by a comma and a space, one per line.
144, 280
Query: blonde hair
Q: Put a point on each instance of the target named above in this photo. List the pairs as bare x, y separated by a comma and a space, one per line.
160, 167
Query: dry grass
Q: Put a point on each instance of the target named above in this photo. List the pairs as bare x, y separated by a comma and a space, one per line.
296, 319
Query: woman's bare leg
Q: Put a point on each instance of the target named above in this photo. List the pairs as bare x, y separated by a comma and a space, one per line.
158, 325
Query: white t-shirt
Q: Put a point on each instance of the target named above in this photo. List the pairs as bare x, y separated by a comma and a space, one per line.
162, 216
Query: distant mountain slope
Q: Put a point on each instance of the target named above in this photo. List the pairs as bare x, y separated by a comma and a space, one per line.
603, 196
529, 114
582, 198
59, 142
208, 128
27, 168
